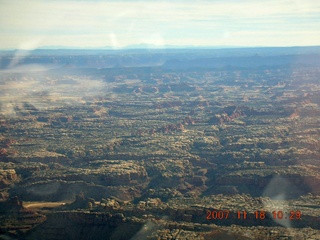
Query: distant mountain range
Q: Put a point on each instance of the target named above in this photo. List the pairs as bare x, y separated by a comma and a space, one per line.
149, 48
171, 58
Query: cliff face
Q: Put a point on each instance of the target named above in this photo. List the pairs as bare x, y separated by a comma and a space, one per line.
296, 185
102, 179
57, 190
85, 225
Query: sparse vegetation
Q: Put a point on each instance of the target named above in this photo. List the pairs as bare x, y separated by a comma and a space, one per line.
146, 139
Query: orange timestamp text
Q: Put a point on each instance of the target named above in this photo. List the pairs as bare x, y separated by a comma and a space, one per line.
258, 215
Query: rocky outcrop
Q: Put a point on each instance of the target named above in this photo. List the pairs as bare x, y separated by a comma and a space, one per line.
115, 173
228, 114
8, 177
15, 220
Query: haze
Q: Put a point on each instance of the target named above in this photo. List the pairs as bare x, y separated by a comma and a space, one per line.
116, 24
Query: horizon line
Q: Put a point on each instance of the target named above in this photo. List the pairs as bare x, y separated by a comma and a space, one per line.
152, 47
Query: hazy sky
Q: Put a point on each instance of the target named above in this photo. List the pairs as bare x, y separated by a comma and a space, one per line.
30, 24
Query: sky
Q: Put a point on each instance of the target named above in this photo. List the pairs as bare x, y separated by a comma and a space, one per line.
30, 24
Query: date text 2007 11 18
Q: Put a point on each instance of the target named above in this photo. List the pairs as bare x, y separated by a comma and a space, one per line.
225, 214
